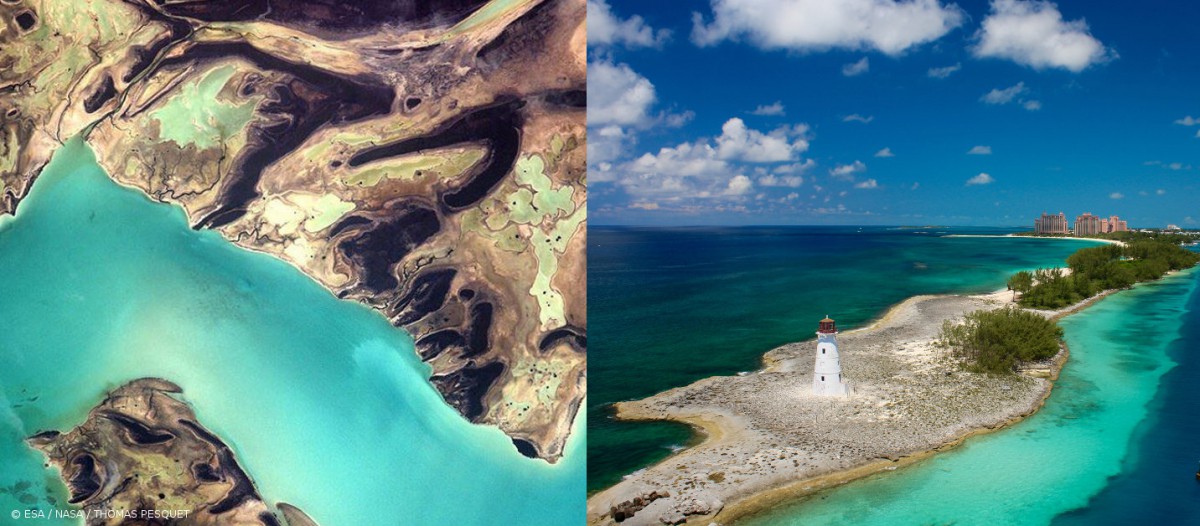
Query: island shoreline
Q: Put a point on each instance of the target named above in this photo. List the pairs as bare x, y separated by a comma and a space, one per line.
756, 503
712, 430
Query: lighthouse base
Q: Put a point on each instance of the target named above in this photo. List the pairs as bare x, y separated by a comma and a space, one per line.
830, 385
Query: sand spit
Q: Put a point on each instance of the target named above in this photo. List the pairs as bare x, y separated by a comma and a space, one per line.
767, 439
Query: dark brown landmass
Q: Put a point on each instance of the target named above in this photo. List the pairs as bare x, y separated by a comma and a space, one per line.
423, 158
142, 458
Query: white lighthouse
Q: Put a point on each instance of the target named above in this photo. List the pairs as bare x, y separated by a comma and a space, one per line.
827, 375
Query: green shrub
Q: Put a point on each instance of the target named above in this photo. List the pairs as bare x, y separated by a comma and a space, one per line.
996, 341
1109, 267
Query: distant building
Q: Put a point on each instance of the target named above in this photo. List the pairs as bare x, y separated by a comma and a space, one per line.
827, 374
1050, 224
1087, 225
1173, 227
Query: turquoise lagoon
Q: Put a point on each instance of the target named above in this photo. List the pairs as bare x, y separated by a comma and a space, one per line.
1095, 454
325, 404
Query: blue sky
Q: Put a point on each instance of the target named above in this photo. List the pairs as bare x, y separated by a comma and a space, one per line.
894, 113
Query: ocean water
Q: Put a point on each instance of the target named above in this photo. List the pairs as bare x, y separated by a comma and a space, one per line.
326, 404
1090, 456
671, 306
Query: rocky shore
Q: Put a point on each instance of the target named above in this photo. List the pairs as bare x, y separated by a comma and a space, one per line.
767, 438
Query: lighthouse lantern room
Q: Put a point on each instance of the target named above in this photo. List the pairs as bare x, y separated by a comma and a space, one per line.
827, 375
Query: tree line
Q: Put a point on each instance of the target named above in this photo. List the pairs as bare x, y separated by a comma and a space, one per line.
997, 341
1096, 269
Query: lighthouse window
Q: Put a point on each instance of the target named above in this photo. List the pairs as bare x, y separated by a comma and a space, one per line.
822, 378
822, 351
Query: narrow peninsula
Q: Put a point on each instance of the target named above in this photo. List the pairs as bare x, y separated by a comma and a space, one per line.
768, 437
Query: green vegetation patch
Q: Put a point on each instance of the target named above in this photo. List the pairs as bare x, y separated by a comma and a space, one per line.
1101, 268
445, 163
195, 115
997, 341
326, 209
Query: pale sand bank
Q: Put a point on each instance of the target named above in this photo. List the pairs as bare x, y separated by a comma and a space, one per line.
767, 439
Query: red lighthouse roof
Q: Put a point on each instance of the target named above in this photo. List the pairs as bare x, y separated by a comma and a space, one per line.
827, 326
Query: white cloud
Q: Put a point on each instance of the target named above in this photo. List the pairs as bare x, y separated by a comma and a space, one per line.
618, 95
858, 118
605, 144
604, 28
675, 120
980, 150
1033, 33
1032, 105
1198, 134
886, 152
868, 184
792, 196
982, 178
790, 181
620, 104
1006, 95
685, 160
941, 73
888, 26
643, 205
1116, 195
769, 109
739, 185
1188, 121
701, 169
846, 172
855, 69
737, 142
1160, 191
915, 186
840, 209
795, 168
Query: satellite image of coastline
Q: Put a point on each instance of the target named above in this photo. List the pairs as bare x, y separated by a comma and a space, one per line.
308, 262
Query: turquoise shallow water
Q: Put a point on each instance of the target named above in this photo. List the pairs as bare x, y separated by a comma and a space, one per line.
1057, 460
325, 403
669, 306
